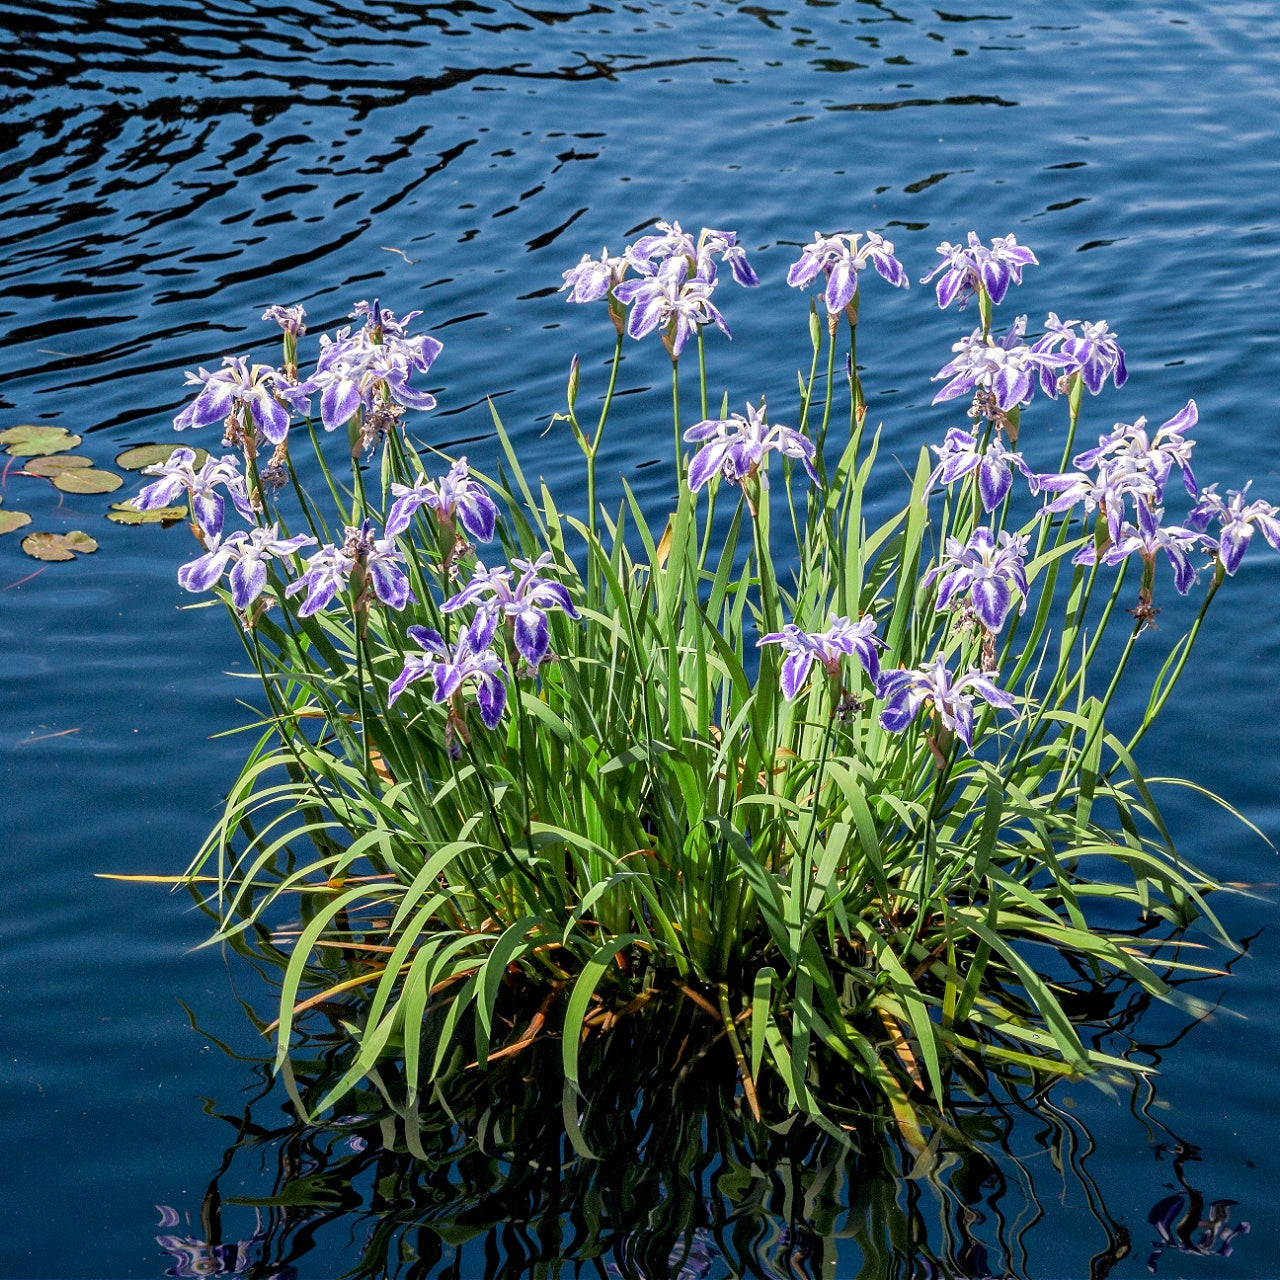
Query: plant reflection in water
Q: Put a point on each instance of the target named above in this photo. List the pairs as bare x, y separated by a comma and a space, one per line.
1182, 1223
660, 1173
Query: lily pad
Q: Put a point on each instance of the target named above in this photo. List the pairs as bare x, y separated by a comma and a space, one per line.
87, 480
127, 513
148, 455
11, 520
58, 546
55, 463
33, 442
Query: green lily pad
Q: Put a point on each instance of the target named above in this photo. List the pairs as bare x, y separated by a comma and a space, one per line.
32, 442
58, 546
55, 463
11, 520
148, 455
127, 513
87, 480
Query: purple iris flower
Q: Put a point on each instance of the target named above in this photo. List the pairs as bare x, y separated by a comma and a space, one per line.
724, 244
1116, 481
1094, 354
592, 278
453, 496
1237, 520
524, 605
989, 571
1150, 536
1156, 456
380, 324
236, 384
325, 575
671, 241
906, 691
1005, 369
841, 258
329, 570
650, 252
470, 660
247, 552
362, 369
958, 455
670, 300
178, 475
736, 446
291, 319
967, 269
841, 639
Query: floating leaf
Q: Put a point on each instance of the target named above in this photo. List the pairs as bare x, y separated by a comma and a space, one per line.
87, 480
56, 463
58, 546
147, 455
32, 441
127, 513
11, 520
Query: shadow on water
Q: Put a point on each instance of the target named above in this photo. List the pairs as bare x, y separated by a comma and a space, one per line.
657, 1172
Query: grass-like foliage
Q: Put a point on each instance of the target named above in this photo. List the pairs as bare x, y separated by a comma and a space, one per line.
846, 787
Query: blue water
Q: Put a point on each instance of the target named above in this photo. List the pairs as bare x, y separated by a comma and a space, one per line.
167, 170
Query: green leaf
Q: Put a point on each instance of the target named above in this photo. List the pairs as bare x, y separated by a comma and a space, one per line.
32, 441
58, 546
127, 513
149, 455
11, 520
87, 480
583, 989
56, 463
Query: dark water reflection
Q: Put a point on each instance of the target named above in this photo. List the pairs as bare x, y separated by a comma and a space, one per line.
658, 1175
167, 170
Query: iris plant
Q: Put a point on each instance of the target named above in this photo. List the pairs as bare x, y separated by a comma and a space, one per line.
988, 569
470, 660
235, 386
905, 692
367, 369
1006, 368
455, 496
652, 816
1176, 541
247, 552
1155, 456
1093, 353
524, 606
179, 475
1237, 520
959, 454
841, 258
966, 269
841, 639
592, 278
649, 252
329, 570
671, 301
735, 446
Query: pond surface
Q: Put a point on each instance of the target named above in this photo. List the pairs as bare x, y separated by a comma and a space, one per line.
168, 170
